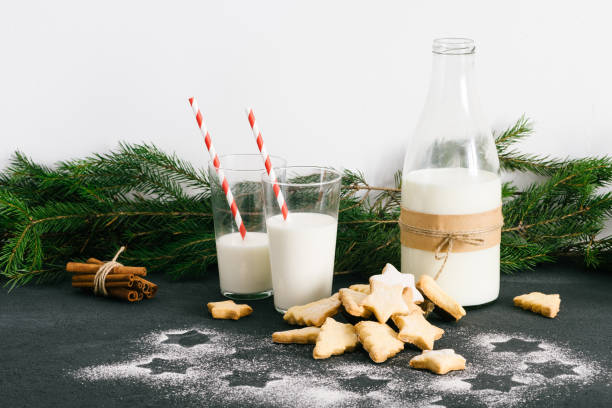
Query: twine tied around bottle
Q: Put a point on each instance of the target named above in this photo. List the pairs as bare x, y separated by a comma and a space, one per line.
443, 234
99, 287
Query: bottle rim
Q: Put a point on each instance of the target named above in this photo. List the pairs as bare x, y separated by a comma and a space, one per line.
453, 46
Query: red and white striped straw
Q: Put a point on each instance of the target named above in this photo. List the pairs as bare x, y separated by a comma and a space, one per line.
215, 159
268, 163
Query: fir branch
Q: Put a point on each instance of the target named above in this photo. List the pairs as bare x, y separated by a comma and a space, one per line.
159, 206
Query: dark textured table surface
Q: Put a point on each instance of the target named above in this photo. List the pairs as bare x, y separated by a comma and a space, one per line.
62, 347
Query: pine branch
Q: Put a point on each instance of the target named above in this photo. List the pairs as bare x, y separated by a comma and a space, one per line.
159, 206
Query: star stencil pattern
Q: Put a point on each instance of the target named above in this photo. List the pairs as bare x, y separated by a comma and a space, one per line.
484, 381
188, 339
250, 378
550, 369
161, 365
363, 384
461, 401
516, 346
247, 354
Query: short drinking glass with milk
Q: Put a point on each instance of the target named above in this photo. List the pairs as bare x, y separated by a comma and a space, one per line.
244, 263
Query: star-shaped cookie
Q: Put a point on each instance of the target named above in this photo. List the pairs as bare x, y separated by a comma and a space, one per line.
414, 329
379, 340
438, 361
314, 313
305, 335
334, 339
351, 300
385, 300
228, 310
391, 276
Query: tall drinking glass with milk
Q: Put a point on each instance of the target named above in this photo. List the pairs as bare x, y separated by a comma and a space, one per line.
451, 191
302, 239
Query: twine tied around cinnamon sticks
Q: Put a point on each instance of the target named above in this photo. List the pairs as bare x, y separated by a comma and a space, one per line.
103, 271
112, 279
443, 234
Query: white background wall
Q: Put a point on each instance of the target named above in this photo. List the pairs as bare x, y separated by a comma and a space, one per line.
332, 82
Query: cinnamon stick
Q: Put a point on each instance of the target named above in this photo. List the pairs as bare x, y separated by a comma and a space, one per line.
120, 284
115, 277
152, 291
145, 283
124, 293
89, 268
148, 288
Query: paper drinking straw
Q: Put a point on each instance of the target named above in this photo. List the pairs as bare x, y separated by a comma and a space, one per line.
215, 159
268, 163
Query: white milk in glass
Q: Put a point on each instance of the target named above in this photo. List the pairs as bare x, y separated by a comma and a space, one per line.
302, 252
471, 278
244, 265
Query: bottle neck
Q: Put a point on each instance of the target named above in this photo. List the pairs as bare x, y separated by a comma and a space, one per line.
452, 85
452, 131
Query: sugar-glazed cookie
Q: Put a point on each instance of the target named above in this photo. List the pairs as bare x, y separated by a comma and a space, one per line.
391, 276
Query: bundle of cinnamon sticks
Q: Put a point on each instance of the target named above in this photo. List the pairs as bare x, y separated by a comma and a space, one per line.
123, 282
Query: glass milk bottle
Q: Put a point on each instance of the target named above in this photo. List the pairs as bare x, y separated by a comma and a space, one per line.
451, 191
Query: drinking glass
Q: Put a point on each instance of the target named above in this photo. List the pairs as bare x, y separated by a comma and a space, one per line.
302, 247
244, 265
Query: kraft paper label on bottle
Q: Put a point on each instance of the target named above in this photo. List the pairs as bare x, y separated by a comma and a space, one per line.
468, 232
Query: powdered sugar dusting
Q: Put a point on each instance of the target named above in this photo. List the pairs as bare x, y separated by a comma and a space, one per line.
230, 368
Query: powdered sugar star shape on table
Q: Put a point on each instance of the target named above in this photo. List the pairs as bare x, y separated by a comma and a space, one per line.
550, 369
250, 378
188, 339
484, 381
516, 346
461, 400
363, 384
391, 276
161, 365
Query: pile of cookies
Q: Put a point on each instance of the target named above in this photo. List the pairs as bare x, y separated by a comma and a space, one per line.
389, 297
